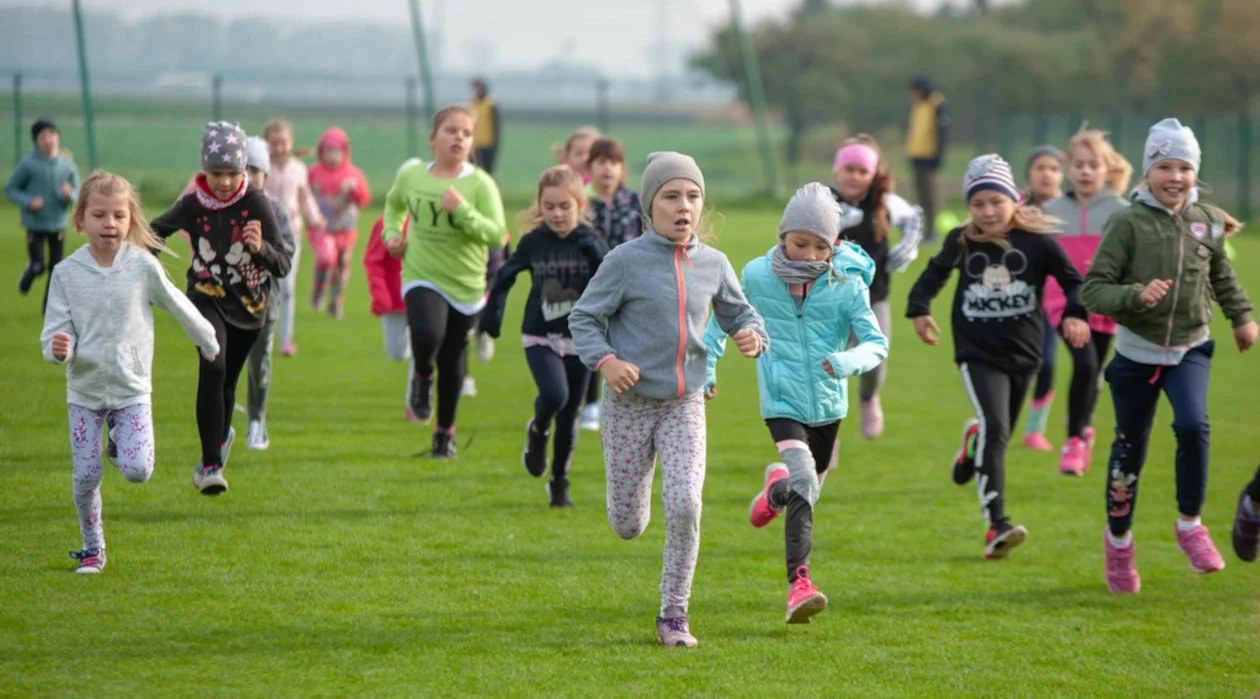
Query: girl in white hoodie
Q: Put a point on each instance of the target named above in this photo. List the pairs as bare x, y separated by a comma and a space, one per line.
100, 325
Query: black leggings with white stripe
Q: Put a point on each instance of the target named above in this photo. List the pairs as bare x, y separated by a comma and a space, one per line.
997, 396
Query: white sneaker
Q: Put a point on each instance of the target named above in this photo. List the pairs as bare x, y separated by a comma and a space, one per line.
485, 347
470, 387
209, 481
256, 439
590, 417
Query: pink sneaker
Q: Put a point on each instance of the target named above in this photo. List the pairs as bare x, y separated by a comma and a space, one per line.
1075, 457
288, 349
1121, 564
1037, 441
1198, 547
1089, 435
872, 418
762, 513
804, 600
411, 415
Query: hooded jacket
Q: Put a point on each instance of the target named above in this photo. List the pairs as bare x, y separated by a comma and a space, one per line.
340, 192
1079, 236
384, 272
40, 176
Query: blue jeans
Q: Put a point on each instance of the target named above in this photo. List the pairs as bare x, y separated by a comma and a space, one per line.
1135, 390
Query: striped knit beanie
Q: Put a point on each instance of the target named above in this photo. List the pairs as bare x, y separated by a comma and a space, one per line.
991, 173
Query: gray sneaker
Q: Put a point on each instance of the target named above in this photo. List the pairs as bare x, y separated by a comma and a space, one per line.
674, 632
209, 480
256, 439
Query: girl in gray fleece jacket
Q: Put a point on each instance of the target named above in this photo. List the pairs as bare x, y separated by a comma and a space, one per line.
99, 324
640, 323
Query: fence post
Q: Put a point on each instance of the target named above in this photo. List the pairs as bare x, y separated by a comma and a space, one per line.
85, 85
216, 103
413, 128
17, 118
1117, 131
601, 105
1244, 165
1041, 127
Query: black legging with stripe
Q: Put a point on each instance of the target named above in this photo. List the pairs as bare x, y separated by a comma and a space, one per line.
997, 397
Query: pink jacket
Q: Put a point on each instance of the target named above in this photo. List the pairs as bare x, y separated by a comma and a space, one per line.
1080, 235
384, 273
341, 192
289, 184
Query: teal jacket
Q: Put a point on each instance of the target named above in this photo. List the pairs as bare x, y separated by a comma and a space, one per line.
37, 176
790, 377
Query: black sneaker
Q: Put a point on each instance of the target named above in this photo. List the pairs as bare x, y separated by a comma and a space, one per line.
1246, 531
534, 457
965, 458
1002, 537
559, 491
443, 444
28, 278
421, 392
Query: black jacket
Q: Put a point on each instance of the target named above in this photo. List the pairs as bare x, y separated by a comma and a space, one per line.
560, 269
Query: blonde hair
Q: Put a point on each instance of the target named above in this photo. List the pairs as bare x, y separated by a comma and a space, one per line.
1119, 170
561, 152
1025, 218
107, 184
556, 176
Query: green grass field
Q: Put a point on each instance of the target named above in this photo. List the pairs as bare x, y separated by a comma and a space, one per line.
340, 563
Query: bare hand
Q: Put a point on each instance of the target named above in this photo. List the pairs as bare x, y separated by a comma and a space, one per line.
620, 375
711, 392
1155, 291
66, 191
1245, 336
831, 371
1076, 332
60, 346
747, 342
253, 236
395, 246
36, 204
926, 329
451, 200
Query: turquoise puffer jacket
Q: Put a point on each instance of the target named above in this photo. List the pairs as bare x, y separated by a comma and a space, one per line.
790, 377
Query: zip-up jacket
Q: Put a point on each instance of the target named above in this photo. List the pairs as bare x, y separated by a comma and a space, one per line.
38, 176
1079, 236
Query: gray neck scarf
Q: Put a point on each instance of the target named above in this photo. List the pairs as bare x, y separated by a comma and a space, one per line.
796, 271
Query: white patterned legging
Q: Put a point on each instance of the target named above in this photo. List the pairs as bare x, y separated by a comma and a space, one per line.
635, 431
131, 428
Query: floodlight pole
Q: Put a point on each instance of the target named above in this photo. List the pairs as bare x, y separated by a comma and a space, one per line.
422, 55
86, 84
756, 97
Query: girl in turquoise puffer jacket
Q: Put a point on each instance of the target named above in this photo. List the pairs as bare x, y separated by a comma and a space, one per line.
810, 295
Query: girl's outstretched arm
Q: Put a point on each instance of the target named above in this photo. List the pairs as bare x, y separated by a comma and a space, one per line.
872, 347
492, 316
163, 294
588, 319
933, 277
732, 310
57, 320
1103, 292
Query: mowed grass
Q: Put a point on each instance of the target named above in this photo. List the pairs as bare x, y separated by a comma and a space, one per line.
341, 563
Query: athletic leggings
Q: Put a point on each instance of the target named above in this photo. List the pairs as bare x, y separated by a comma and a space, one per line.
131, 428
439, 339
997, 397
35, 241
335, 274
258, 383
398, 344
1087, 365
287, 298
873, 380
635, 432
1049, 349
561, 385
807, 452
216, 381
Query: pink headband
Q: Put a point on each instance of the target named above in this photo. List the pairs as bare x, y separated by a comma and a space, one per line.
856, 154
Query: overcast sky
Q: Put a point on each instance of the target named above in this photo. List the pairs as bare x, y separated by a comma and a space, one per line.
618, 36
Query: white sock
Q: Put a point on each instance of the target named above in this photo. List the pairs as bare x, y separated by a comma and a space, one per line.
1186, 525
1123, 542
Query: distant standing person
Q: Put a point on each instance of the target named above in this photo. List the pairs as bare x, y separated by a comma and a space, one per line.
925, 145
488, 126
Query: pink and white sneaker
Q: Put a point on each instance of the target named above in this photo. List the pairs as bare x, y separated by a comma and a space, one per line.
675, 632
1037, 441
1121, 564
1198, 547
762, 512
91, 561
1089, 435
872, 418
411, 415
804, 600
288, 349
1074, 459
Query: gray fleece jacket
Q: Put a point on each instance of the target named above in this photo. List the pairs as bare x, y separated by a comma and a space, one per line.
108, 314
648, 305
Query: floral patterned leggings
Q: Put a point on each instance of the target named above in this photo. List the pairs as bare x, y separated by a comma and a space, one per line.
635, 431
131, 429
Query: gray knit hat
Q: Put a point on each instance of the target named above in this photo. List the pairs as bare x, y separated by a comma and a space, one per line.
1043, 152
989, 173
1169, 140
223, 147
662, 167
257, 155
812, 210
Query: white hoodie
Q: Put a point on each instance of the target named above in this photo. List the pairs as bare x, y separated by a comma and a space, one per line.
107, 312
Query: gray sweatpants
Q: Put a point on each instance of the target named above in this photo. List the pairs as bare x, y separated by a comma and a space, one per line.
259, 363
873, 380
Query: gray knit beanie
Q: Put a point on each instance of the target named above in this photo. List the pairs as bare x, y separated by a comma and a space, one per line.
1042, 152
257, 155
223, 147
812, 210
662, 167
1169, 140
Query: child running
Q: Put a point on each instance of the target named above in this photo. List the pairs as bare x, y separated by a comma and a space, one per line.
1098, 173
1247, 521
341, 191
1044, 175
456, 217
576, 151
561, 255
805, 288
862, 181
258, 386
236, 250
649, 292
1003, 259
100, 325
617, 216
44, 186
289, 182
1160, 264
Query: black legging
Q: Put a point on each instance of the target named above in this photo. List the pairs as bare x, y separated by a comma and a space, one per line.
1087, 366
997, 397
439, 336
216, 381
561, 390
35, 241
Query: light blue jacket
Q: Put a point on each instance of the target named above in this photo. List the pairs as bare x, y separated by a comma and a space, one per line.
790, 377
37, 176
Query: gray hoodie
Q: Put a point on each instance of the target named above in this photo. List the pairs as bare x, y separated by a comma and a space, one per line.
648, 305
108, 314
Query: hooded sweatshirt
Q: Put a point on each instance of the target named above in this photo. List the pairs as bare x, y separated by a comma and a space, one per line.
342, 191
648, 305
108, 314
1079, 236
40, 176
